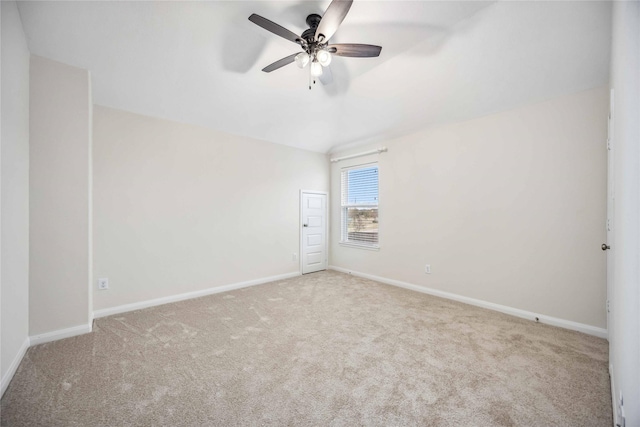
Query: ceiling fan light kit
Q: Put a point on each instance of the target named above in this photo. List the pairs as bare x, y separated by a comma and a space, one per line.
315, 40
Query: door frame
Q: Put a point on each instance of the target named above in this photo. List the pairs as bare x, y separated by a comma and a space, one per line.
611, 198
326, 227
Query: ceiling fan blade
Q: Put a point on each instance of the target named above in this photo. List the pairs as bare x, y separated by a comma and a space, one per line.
280, 63
327, 76
355, 50
275, 28
332, 19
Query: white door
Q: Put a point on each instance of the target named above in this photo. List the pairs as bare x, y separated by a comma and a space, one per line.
611, 197
314, 231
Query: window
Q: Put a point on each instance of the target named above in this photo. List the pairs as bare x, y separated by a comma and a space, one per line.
359, 188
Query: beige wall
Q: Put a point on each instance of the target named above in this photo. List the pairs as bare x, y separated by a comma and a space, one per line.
179, 208
508, 208
15, 188
59, 196
624, 333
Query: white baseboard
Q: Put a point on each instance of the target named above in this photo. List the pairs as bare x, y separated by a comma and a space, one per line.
8, 376
554, 321
189, 295
60, 334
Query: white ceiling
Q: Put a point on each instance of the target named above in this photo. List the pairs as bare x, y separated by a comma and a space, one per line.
200, 62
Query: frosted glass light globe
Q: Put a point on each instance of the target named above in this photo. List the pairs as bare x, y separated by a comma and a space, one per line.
324, 58
302, 59
316, 69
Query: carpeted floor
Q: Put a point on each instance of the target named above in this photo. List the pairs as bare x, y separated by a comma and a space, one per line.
321, 349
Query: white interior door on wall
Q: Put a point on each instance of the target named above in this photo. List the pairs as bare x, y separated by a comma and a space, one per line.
314, 231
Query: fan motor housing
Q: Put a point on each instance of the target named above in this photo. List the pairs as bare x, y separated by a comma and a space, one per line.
312, 21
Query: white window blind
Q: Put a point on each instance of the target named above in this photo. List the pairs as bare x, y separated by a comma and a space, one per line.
359, 202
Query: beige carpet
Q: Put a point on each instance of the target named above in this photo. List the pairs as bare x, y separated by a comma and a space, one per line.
321, 349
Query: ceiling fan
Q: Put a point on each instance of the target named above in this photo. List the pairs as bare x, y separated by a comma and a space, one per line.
315, 42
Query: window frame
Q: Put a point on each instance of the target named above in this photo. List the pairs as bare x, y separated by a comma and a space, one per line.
344, 207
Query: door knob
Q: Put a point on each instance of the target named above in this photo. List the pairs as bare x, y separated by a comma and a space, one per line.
605, 247
306, 225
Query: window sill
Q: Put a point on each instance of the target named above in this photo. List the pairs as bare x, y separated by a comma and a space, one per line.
356, 245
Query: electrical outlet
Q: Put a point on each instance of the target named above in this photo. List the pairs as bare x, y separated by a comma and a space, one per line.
427, 269
294, 257
103, 283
